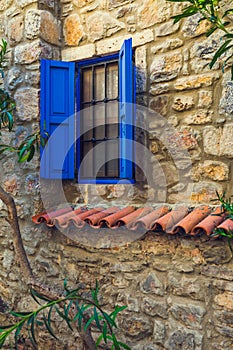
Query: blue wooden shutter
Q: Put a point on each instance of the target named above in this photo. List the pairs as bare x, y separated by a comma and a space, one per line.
57, 110
126, 99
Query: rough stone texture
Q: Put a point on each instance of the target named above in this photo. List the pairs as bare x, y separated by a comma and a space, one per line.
182, 103
28, 103
73, 30
213, 170
178, 289
28, 53
101, 25
15, 30
50, 29
152, 12
165, 67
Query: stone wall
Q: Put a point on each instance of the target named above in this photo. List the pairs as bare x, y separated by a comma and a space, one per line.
174, 80
179, 291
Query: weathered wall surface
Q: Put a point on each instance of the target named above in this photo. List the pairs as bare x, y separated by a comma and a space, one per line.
179, 291
173, 79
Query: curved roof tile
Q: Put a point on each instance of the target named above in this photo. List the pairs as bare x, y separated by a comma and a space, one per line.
200, 220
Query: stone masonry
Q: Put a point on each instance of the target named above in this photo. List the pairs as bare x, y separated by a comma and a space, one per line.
179, 290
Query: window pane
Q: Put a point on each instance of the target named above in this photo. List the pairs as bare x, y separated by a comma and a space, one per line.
112, 166
99, 120
99, 159
86, 123
112, 119
99, 83
87, 160
112, 80
87, 85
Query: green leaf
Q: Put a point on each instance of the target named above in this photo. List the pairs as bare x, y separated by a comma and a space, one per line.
33, 294
48, 327
96, 317
40, 296
189, 11
3, 328
223, 48
124, 346
65, 286
31, 153
31, 331
105, 330
100, 338
3, 339
211, 31
17, 333
115, 342
20, 314
117, 310
109, 319
228, 12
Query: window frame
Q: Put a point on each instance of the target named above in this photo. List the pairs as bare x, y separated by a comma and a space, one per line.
81, 180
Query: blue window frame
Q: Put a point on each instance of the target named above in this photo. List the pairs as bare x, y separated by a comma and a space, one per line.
59, 88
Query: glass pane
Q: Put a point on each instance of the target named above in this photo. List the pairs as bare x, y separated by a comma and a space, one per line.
87, 160
112, 119
112, 155
100, 159
112, 80
87, 85
99, 120
86, 122
99, 83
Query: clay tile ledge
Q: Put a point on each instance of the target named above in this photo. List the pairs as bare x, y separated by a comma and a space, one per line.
180, 220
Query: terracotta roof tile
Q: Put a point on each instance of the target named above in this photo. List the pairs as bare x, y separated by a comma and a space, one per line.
200, 220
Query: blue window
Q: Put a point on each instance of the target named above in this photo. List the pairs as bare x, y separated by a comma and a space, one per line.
89, 105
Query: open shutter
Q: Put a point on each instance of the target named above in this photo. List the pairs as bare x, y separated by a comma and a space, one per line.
57, 119
126, 99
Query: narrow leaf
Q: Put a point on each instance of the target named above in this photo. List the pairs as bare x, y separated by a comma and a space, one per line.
219, 52
49, 329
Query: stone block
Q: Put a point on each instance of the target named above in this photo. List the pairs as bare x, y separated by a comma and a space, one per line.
50, 28
191, 315
193, 28
195, 81
32, 23
167, 28
225, 300
186, 286
159, 332
141, 69
218, 272
226, 141
165, 175
159, 88
226, 102
5, 4
101, 25
159, 104
200, 117
27, 103
169, 44
23, 3
73, 30
210, 169
165, 67
114, 44
14, 78
183, 103
152, 12
152, 285
15, 29
137, 328
204, 192
184, 340
205, 99
28, 53
211, 140
154, 307
78, 53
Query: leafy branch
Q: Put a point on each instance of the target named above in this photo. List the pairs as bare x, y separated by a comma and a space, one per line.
76, 310
227, 209
210, 11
